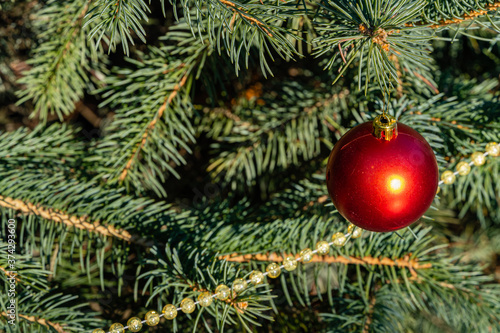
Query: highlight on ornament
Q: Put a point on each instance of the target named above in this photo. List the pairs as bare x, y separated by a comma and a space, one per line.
396, 183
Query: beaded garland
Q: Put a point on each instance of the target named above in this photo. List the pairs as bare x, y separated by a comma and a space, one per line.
273, 270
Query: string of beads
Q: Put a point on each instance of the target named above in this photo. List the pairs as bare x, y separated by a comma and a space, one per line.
273, 270
448, 177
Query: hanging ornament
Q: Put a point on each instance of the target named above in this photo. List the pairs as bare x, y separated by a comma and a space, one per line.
382, 175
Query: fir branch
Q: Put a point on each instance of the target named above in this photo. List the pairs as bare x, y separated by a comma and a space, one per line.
233, 26
175, 275
118, 18
58, 76
270, 133
151, 125
244, 14
465, 17
441, 14
411, 264
72, 221
372, 39
36, 306
52, 202
9, 274
155, 107
56, 326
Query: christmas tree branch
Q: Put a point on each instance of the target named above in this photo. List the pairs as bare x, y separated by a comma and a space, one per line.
300, 120
244, 14
119, 19
72, 221
152, 124
61, 61
155, 107
41, 321
411, 264
76, 26
465, 17
356, 39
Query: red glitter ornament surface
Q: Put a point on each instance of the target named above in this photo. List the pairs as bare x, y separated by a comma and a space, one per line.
382, 185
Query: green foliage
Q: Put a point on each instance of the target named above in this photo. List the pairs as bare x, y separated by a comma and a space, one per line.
436, 11
118, 19
254, 142
35, 300
370, 32
92, 212
61, 64
175, 276
380, 298
50, 160
152, 99
242, 26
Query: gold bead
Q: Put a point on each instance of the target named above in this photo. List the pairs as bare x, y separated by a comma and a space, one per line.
116, 328
290, 263
322, 247
257, 277
205, 299
354, 231
273, 270
478, 158
98, 330
223, 292
239, 285
306, 255
339, 239
463, 168
134, 324
152, 318
493, 149
187, 305
169, 311
448, 177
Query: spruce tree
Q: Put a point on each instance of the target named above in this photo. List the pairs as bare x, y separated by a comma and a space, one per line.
151, 151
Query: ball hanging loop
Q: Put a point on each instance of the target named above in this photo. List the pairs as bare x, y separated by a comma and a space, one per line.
385, 127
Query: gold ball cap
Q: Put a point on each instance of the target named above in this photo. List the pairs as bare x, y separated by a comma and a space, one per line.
385, 127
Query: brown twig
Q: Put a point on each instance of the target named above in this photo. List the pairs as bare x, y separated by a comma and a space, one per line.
71, 39
53, 260
243, 13
465, 17
411, 264
427, 82
71, 221
9, 274
399, 88
152, 124
40, 321
88, 114
342, 52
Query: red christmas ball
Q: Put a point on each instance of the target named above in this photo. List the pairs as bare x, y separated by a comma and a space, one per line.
382, 184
